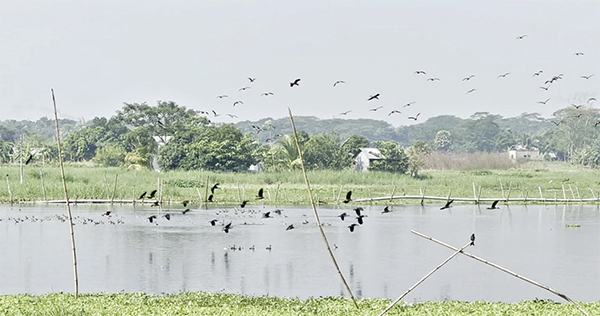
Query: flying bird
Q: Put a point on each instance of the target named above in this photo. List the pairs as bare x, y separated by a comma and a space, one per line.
243, 204
544, 102
473, 240
266, 215
394, 111
359, 218
338, 82
267, 94
232, 115
420, 72
414, 117
587, 77
214, 187
578, 54
152, 194
577, 106
221, 96
348, 197
503, 75
521, 37
375, 109
545, 88
591, 99
185, 203
409, 104
185, 211
244, 88
260, 194
468, 78
555, 123
152, 218
386, 210
213, 222
227, 228
167, 216
107, 213
472, 90
351, 227
345, 113
237, 102
295, 83
537, 73
156, 203
343, 215
215, 113
210, 198
251, 79
375, 96
290, 227
142, 196
433, 79
447, 205
493, 207
358, 210
29, 159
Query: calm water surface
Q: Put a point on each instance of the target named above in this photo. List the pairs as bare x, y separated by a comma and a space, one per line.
380, 259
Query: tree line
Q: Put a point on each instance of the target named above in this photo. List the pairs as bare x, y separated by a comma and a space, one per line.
175, 137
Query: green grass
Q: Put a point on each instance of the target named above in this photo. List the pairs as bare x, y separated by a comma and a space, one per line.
287, 188
200, 303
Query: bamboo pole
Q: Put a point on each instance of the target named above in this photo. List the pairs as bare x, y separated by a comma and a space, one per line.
479, 194
572, 194
106, 187
502, 188
564, 194
340, 193
578, 195
422, 195
424, 278
199, 195
114, 188
503, 270
62, 174
239, 193
393, 191
43, 187
541, 195
276, 193
593, 195
449, 192
508, 194
314, 207
475, 194
10, 196
206, 189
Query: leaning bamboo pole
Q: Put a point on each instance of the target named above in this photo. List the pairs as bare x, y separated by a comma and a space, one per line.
314, 207
62, 174
503, 270
424, 278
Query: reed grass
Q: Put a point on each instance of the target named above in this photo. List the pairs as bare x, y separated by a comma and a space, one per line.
88, 183
201, 303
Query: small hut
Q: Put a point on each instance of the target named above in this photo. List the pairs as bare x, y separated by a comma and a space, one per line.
366, 156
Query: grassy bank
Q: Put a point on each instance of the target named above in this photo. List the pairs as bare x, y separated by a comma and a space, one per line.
229, 304
288, 187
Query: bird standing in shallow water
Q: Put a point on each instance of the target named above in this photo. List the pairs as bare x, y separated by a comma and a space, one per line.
386, 210
243, 204
473, 240
185, 211
493, 207
447, 205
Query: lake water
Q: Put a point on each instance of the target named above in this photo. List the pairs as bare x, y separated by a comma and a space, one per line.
381, 258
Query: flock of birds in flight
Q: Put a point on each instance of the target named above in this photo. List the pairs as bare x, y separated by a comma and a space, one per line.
296, 83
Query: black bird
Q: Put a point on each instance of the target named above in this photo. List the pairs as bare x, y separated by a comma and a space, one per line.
142, 196
375, 96
251, 79
375, 109
156, 203
394, 111
152, 194
29, 159
472, 239
504, 75
351, 227
386, 210
213, 222
345, 113
107, 213
447, 205
237, 102
577, 106
468, 78
167, 216
266, 215
185, 203
260, 194
290, 227
472, 90
578, 54
215, 113
521, 37
210, 198
278, 212
243, 204
295, 83
152, 218
420, 72
414, 117
433, 79
348, 197
493, 207
545, 88
185, 211
409, 104
555, 123
214, 187
337, 82
537, 73
360, 219
227, 228
544, 102
358, 210
244, 88
587, 77
343, 215
266, 94
221, 96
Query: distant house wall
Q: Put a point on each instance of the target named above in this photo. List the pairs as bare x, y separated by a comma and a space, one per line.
519, 154
365, 157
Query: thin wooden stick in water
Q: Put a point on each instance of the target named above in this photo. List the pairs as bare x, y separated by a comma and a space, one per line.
314, 207
10, 196
62, 174
424, 278
114, 188
43, 187
503, 270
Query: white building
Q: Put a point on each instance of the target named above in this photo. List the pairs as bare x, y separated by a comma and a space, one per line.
522, 153
366, 156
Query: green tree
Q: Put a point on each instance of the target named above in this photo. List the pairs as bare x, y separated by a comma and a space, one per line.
394, 158
417, 153
443, 141
5, 151
110, 156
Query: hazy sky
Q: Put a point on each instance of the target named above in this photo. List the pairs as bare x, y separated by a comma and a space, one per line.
98, 54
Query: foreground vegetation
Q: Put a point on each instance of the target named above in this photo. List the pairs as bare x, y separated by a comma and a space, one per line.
230, 304
287, 187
